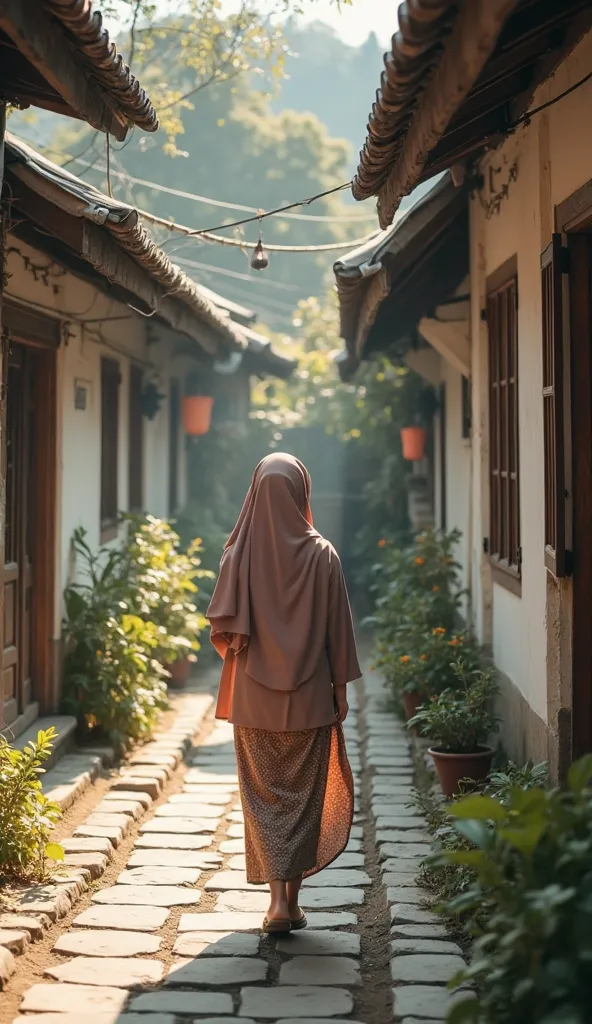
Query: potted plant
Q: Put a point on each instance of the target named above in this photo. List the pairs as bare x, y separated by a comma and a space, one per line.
458, 722
413, 437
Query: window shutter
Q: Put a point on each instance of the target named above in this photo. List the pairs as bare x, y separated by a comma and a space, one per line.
553, 410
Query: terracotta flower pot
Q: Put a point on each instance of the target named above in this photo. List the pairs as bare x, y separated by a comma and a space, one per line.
413, 441
197, 414
451, 768
411, 702
179, 673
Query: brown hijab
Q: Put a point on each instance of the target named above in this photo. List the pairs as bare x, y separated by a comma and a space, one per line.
271, 595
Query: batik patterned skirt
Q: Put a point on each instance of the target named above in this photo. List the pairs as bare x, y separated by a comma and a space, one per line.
298, 800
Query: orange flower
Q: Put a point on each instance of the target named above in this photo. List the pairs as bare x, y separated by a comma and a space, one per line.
382, 543
454, 642
422, 657
439, 631
419, 561
404, 659
435, 590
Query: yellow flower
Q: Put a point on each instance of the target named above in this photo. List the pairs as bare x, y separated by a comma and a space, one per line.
422, 657
382, 543
419, 561
439, 631
404, 659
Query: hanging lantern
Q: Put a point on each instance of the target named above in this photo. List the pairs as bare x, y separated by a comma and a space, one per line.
259, 259
413, 441
197, 414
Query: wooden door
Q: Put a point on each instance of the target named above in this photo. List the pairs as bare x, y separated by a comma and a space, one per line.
20, 374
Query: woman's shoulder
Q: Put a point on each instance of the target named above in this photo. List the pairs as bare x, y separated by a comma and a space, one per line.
328, 553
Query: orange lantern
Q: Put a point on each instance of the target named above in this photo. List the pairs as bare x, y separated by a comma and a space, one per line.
413, 440
197, 414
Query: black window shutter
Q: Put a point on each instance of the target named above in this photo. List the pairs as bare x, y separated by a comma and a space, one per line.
553, 409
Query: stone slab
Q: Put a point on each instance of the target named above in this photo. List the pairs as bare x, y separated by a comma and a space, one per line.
327, 943
339, 877
405, 913
325, 970
174, 859
52, 900
88, 999
7, 966
111, 832
406, 894
147, 896
189, 810
258, 902
196, 775
128, 918
216, 943
392, 834
232, 846
434, 968
96, 863
172, 841
146, 771
181, 1003
93, 844
407, 851
110, 818
203, 796
399, 946
159, 876
112, 943
132, 808
394, 865
120, 972
180, 826
34, 926
132, 784
236, 831
214, 972
424, 1001
419, 931
160, 759
120, 796
13, 940
97, 1018
301, 1002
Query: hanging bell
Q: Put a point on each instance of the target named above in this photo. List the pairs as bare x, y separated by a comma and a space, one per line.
259, 259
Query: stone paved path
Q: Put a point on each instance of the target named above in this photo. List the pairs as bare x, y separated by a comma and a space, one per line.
176, 938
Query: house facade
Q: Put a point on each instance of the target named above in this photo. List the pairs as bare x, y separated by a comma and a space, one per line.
508, 349
102, 337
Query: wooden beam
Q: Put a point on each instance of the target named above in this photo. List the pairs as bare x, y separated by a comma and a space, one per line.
425, 362
48, 48
451, 339
468, 48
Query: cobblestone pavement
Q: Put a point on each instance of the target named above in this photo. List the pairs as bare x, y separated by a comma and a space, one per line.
176, 938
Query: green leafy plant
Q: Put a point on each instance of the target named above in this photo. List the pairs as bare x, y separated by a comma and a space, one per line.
460, 720
27, 817
163, 590
113, 680
532, 860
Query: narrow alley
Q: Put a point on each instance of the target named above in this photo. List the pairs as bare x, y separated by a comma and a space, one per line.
171, 933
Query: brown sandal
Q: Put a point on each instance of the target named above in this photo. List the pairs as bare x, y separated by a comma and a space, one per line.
299, 923
277, 926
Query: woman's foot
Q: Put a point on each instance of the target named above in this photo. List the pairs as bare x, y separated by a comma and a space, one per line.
294, 911
278, 908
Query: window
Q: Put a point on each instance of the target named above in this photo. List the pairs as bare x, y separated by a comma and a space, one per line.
465, 408
174, 424
110, 379
504, 540
136, 442
552, 268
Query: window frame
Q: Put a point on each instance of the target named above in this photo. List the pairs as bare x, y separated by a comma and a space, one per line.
505, 551
109, 473
135, 494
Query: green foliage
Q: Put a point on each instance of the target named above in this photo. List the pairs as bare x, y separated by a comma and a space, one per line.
532, 892
460, 720
27, 817
113, 681
163, 590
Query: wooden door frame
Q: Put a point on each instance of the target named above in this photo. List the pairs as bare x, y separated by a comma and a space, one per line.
573, 220
45, 341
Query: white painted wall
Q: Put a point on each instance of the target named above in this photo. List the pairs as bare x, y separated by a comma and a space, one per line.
120, 334
554, 158
458, 463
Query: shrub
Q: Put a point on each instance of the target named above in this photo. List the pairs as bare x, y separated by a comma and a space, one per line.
532, 860
113, 681
460, 720
27, 817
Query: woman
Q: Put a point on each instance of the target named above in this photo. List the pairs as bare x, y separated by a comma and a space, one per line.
281, 621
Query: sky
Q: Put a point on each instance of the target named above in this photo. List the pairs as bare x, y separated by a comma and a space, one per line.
355, 22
